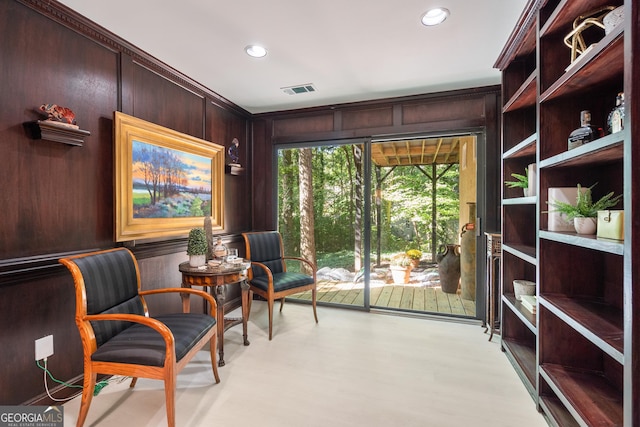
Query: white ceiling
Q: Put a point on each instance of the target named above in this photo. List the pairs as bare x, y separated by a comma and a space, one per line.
351, 50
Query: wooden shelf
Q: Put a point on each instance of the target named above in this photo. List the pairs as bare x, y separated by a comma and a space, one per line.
527, 317
524, 356
603, 63
603, 150
530, 200
588, 396
567, 11
584, 241
526, 147
557, 412
524, 97
527, 253
43, 129
600, 323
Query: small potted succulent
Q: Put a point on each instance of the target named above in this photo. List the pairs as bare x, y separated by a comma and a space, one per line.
197, 247
521, 181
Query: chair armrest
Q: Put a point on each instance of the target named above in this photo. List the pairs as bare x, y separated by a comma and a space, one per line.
212, 301
157, 325
305, 261
266, 269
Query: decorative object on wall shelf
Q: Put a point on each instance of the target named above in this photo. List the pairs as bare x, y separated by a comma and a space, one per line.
523, 181
576, 41
613, 19
62, 116
234, 167
193, 190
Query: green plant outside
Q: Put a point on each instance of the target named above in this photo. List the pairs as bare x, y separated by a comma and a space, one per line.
585, 207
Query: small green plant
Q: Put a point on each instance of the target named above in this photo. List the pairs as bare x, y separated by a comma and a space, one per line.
401, 260
585, 207
197, 243
522, 181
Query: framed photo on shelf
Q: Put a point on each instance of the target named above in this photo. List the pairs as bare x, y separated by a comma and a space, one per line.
166, 182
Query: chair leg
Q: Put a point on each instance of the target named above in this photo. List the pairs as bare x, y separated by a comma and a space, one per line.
170, 396
134, 380
313, 303
281, 304
213, 346
270, 305
89, 383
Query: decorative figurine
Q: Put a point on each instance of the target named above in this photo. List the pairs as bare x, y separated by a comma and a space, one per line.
58, 114
234, 152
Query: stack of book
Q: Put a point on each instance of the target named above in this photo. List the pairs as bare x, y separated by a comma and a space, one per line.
529, 302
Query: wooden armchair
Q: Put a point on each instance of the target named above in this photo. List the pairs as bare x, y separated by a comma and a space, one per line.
118, 335
268, 275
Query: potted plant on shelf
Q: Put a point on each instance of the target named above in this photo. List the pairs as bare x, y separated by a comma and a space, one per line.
197, 247
522, 181
415, 256
585, 212
401, 268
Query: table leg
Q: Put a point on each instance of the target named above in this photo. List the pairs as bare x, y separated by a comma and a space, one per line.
245, 309
220, 297
186, 303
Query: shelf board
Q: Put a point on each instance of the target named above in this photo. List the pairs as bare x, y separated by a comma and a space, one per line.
604, 62
526, 147
531, 200
588, 396
525, 96
603, 150
556, 412
527, 253
527, 317
584, 241
600, 323
523, 358
45, 130
566, 12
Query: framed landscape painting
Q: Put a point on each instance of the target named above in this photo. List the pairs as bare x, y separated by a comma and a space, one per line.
166, 182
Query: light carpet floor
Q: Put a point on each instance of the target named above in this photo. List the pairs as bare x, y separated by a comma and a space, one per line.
351, 369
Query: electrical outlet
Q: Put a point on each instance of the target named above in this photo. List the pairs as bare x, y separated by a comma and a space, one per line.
44, 347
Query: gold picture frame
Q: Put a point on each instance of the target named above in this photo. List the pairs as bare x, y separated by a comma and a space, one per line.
166, 182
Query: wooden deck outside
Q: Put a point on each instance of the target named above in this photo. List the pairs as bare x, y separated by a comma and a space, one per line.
415, 296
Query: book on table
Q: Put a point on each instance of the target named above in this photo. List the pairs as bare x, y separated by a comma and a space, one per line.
529, 302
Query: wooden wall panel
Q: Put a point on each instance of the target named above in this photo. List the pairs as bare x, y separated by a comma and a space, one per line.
443, 110
303, 124
367, 118
58, 198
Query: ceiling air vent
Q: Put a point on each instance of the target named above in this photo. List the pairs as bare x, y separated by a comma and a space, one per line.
294, 90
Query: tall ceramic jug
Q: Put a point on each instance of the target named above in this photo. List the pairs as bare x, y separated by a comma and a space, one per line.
449, 268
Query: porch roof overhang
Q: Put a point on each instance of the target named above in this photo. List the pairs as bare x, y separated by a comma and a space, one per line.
426, 151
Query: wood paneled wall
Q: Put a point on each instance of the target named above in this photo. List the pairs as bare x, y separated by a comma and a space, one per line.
58, 198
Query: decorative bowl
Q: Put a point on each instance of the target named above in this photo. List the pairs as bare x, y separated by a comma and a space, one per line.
523, 287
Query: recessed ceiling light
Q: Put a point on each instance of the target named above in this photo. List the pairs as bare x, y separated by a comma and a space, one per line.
435, 16
255, 51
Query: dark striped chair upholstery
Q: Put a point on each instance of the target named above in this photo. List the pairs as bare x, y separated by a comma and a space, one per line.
118, 335
268, 275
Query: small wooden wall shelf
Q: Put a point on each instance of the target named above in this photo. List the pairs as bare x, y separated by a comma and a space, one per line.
234, 170
43, 129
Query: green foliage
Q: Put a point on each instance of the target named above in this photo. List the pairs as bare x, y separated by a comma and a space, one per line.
522, 181
585, 207
197, 243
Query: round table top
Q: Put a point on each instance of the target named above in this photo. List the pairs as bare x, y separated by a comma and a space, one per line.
211, 270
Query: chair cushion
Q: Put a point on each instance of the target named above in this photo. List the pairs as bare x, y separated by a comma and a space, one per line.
282, 281
266, 248
142, 345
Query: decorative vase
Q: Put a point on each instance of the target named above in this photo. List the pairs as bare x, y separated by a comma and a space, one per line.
585, 225
197, 260
449, 268
400, 274
415, 263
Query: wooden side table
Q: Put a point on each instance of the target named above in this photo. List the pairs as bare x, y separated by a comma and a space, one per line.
215, 278
494, 250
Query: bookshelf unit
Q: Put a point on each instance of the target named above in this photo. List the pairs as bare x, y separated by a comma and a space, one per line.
579, 354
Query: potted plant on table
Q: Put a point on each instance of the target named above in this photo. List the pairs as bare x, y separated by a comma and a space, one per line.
197, 247
585, 212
